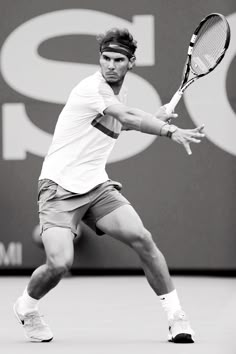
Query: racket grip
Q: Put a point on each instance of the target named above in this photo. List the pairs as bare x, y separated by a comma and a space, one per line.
173, 102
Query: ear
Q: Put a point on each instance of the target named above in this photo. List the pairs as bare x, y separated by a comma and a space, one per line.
131, 63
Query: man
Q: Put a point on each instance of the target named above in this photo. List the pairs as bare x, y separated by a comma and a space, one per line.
74, 185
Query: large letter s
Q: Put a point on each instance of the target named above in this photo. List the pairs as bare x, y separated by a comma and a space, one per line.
51, 81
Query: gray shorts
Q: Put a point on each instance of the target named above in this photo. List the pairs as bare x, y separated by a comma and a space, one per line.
61, 208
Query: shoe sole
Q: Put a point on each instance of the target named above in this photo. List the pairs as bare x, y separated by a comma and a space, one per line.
22, 323
182, 338
39, 340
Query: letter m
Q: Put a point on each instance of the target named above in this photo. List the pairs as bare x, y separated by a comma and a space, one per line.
12, 255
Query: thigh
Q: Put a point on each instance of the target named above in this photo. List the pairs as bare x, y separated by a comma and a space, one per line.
123, 224
58, 245
104, 200
59, 207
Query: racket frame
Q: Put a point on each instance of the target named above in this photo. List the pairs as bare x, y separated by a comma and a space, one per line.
187, 69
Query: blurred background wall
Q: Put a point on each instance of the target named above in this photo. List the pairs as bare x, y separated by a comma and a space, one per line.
188, 203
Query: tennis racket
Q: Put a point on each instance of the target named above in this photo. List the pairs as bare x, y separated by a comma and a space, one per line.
207, 48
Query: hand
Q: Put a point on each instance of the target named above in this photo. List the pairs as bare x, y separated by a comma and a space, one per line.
162, 115
187, 136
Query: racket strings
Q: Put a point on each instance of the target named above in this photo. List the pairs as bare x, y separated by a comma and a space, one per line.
209, 45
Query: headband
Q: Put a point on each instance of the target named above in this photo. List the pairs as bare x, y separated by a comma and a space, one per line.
117, 48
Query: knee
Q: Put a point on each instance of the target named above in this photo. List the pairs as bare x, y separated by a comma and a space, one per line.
59, 266
143, 242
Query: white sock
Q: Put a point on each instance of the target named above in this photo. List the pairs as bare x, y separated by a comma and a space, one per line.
27, 303
170, 303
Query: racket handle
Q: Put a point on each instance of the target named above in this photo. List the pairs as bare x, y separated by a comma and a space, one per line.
173, 102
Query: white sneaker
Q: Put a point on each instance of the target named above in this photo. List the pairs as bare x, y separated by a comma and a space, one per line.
179, 329
36, 330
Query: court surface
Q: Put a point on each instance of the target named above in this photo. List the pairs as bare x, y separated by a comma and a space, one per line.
121, 315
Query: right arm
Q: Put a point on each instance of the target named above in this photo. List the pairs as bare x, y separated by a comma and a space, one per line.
136, 119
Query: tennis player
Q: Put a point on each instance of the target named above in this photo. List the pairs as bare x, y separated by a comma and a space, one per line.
74, 186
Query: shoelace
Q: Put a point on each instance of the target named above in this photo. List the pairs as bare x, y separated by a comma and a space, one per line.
181, 321
35, 320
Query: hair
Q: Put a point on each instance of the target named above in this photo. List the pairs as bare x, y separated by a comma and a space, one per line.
122, 36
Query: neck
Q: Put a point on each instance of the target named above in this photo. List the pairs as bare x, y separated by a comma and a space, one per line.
116, 86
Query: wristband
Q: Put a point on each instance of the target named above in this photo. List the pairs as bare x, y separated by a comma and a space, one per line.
163, 127
172, 129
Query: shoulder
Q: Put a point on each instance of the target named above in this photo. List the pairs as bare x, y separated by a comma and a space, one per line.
93, 85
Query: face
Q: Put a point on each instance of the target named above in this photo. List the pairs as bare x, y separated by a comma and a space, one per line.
114, 66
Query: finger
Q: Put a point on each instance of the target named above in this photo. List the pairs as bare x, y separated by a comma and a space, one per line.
194, 140
201, 128
173, 115
197, 135
187, 148
197, 132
